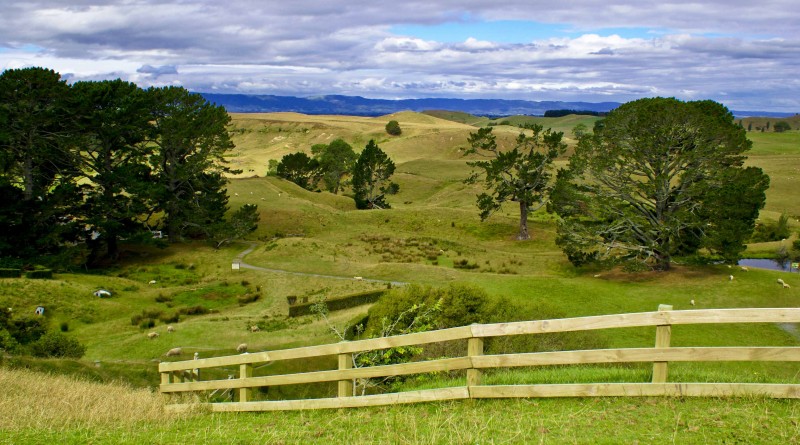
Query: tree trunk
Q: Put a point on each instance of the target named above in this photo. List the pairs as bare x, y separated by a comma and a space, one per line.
523, 222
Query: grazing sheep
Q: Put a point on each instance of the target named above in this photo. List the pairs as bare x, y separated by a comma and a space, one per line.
173, 352
254, 329
242, 348
152, 335
102, 293
358, 278
781, 282
170, 329
691, 302
151, 282
786, 286
196, 355
744, 269
730, 277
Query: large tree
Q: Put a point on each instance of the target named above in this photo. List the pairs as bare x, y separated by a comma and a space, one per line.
335, 162
521, 174
371, 174
658, 177
37, 162
191, 140
114, 123
299, 168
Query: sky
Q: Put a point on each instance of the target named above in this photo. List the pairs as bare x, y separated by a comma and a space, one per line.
744, 54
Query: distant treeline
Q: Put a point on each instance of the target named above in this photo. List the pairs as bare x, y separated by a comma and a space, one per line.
562, 113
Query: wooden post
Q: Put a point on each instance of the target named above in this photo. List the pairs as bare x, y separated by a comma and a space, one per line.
474, 348
663, 334
345, 386
245, 371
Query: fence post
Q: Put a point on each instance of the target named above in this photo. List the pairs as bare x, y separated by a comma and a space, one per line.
474, 348
663, 334
345, 386
245, 371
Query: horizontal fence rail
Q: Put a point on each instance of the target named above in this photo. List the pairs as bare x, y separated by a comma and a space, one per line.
184, 376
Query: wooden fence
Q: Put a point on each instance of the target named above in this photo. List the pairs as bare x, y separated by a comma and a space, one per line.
184, 376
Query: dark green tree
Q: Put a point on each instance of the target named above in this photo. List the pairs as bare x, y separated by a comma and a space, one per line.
300, 169
393, 128
520, 175
653, 180
114, 124
781, 126
335, 162
191, 140
371, 174
38, 171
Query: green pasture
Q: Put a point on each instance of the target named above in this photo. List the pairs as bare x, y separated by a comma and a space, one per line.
312, 244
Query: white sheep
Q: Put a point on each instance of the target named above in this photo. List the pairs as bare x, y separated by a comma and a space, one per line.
781, 282
691, 302
254, 328
151, 282
730, 277
242, 348
152, 335
786, 286
358, 278
744, 269
102, 293
173, 352
170, 329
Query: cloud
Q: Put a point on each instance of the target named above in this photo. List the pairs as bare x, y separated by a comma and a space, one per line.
744, 53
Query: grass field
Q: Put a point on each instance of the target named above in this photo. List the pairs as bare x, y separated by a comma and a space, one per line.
303, 233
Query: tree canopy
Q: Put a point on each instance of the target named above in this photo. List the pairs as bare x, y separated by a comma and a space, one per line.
85, 165
520, 175
371, 174
335, 161
656, 178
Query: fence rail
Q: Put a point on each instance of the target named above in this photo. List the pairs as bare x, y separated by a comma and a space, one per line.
184, 376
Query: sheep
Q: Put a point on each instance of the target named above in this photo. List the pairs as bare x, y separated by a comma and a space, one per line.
744, 269
152, 335
730, 277
786, 286
170, 329
151, 282
254, 329
358, 278
102, 293
691, 302
173, 352
781, 282
242, 348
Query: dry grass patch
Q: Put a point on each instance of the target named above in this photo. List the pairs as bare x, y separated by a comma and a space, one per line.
51, 402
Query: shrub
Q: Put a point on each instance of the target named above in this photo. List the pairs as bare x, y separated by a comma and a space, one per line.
161, 298
64, 326
193, 310
170, 318
147, 323
10, 273
39, 274
393, 128
56, 344
335, 304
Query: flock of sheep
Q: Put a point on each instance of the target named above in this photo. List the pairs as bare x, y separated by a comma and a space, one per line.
174, 352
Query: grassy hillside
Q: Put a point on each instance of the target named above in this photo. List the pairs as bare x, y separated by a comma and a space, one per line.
311, 245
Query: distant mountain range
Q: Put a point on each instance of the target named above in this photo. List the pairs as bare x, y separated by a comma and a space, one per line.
360, 106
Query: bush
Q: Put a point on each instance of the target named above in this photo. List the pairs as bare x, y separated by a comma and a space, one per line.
56, 344
247, 298
10, 273
393, 128
335, 304
193, 310
39, 274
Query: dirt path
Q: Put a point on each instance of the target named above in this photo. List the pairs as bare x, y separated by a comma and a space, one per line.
252, 246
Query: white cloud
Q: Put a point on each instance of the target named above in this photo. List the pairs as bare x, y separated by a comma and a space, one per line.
744, 53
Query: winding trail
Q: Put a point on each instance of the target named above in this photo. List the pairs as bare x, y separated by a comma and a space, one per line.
253, 245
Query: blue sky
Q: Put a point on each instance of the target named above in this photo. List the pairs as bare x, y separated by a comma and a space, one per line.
510, 31
741, 53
